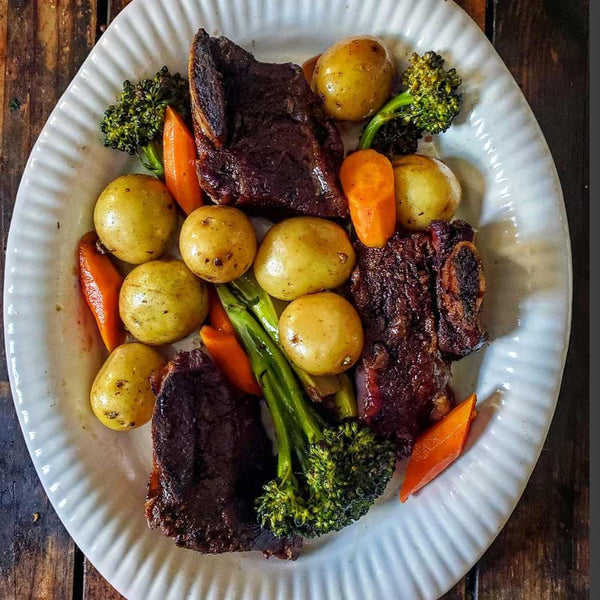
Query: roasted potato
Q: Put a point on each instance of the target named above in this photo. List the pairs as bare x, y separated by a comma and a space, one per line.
321, 333
162, 301
426, 189
354, 78
218, 243
135, 218
303, 255
121, 396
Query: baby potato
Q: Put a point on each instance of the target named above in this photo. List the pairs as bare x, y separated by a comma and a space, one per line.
303, 255
354, 78
135, 218
121, 396
218, 243
162, 301
426, 189
321, 333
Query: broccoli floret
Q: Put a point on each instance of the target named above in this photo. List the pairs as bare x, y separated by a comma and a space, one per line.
135, 123
429, 103
397, 138
327, 475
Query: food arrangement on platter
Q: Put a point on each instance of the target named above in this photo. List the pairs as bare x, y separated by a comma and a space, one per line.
330, 282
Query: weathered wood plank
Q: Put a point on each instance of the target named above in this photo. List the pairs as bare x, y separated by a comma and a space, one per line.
42, 43
115, 7
96, 587
476, 10
543, 552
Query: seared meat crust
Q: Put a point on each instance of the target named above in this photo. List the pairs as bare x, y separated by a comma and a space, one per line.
211, 459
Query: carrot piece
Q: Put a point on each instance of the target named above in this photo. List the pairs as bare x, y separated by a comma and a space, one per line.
217, 316
100, 283
179, 157
231, 359
308, 68
438, 447
368, 181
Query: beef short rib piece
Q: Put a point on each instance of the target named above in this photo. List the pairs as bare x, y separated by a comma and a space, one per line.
419, 299
211, 459
263, 141
401, 369
460, 287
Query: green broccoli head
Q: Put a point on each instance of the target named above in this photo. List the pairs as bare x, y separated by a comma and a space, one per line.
435, 102
363, 467
344, 473
430, 103
281, 508
397, 137
135, 122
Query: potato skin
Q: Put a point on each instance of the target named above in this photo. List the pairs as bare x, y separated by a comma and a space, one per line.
162, 301
218, 243
135, 218
354, 78
425, 189
121, 397
321, 333
303, 255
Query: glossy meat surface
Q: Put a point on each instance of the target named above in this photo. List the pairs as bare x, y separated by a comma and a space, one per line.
211, 458
263, 141
419, 299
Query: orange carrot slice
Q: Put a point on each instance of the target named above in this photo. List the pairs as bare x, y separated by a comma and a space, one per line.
179, 157
217, 316
231, 359
100, 283
438, 447
368, 181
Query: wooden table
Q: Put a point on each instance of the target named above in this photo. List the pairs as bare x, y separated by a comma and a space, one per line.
543, 552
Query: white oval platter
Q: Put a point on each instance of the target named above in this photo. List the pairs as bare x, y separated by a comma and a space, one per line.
96, 478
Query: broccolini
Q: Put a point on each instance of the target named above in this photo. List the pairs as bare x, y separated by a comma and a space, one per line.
134, 124
430, 103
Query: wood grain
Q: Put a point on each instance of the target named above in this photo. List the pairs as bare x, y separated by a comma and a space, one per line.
96, 587
475, 9
42, 43
543, 552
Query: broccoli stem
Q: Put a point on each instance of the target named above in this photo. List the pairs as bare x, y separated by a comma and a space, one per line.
252, 334
259, 302
152, 158
344, 399
263, 308
386, 113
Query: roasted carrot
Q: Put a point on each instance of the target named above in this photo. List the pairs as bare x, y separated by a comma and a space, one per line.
231, 359
438, 447
179, 157
308, 68
217, 316
368, 181
100, 283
